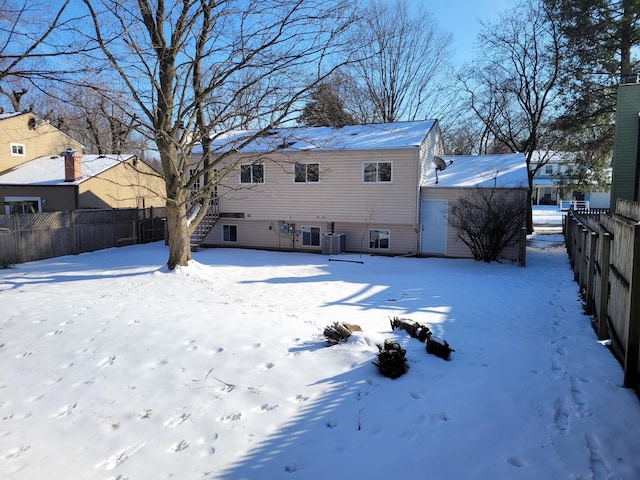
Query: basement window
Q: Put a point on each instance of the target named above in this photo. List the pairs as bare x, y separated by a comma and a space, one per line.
379, 238
229, 233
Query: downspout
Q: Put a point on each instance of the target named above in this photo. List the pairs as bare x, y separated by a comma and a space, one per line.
417, 227
637, 169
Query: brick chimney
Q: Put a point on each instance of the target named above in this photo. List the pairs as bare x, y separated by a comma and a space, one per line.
72, 165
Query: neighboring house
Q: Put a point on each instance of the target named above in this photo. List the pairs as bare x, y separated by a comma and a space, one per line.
25, 136
547, 189
42, 169
71, 181
309, 189
461, 177
625, 183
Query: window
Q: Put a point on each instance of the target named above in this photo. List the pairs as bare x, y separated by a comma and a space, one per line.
229, 233
306, 172
17, 150
379, 239
548, 169
22, 205
376, 172
252, 173
311, 236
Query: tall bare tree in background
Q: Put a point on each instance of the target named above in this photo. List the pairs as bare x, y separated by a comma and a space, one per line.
31, 34
512, 85
190, 67
103, 125
404, 57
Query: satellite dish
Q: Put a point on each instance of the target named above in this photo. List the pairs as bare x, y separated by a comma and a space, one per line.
440, 163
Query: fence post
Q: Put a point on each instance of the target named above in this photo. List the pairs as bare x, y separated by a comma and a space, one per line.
605, 259
16, 228
590, 300
633, 335
74, 233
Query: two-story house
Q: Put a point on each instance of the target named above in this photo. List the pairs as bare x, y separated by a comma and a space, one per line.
552, 183
43, 169
301, 188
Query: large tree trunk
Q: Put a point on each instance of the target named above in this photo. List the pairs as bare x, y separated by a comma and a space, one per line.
178, 231
177, 227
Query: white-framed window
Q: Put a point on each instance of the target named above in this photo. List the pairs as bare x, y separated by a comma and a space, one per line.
306, 172
548, 169
22, 205
229, 233
379, 238
17, 150
252, 173
376, 172
311, 236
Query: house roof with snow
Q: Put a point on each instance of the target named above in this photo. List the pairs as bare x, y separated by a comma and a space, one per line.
504, 170
351, 137
49, 170
9, 115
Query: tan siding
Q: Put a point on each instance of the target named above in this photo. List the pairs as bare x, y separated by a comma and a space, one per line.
265, 234
122, 187
42, 141
455, 247
340, 196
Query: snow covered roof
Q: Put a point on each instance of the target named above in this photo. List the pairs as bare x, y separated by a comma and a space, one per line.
50, 170
508, 170
351, 137
9, 115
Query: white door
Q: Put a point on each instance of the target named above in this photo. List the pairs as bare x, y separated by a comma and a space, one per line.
434, 223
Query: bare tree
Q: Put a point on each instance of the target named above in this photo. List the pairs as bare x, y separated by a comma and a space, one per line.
104, 125
188, 64
513, 83
488, 220
403, 59
31, 34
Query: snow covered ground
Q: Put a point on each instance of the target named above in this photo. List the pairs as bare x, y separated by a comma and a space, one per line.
114, 368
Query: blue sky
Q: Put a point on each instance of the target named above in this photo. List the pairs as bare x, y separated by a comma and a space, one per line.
460, 17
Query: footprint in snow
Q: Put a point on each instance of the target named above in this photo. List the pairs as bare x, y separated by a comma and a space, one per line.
108, 361
16, 452
66, 410
561, 415
119, 457
178, 447
175, 421
516, 461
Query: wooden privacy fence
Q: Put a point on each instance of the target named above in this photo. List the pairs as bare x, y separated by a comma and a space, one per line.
36, 236
604, 251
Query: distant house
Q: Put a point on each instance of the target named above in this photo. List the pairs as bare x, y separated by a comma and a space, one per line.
548, 188
71, 181
43, 169
318, 189
25, 136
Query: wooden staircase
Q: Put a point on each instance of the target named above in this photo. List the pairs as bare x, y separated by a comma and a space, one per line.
205, 225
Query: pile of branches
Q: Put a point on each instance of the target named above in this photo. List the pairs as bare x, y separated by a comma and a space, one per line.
391, 359
435, 345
